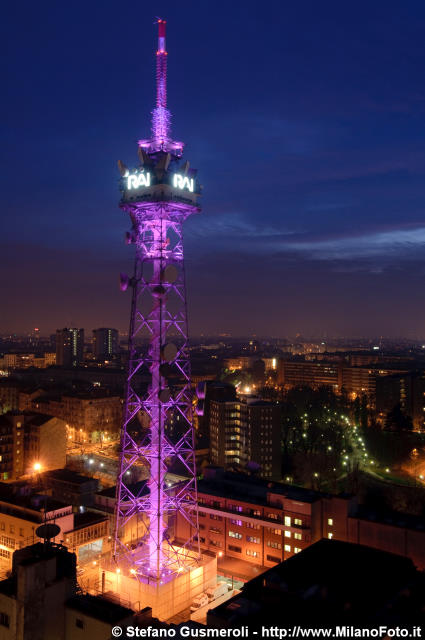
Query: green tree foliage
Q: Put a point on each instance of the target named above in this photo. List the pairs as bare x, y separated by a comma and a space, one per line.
314, 434
398, 420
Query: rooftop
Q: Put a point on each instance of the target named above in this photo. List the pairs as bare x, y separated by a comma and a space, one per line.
250, 488
329, 582
99, 608
66, 475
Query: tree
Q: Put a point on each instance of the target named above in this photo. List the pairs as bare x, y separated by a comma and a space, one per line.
398, 420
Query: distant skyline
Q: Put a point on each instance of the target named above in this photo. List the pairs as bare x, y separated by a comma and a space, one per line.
306, 122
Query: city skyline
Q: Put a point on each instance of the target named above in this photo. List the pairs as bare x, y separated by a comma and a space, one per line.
307, 123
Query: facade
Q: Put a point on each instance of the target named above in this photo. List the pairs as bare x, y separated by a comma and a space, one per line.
9, 396
69, 347
265, 523
311, 374
70, 486
27, 360
90, 417
105, 344
243, 517
406, 390
87, 534
246, 431
30, 442
355, 380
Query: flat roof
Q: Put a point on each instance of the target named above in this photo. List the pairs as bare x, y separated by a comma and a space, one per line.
252, 489
99, 608
67, 475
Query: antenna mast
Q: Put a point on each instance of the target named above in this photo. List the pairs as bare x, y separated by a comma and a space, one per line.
161, 117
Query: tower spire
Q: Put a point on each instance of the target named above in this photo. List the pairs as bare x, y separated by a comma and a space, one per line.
161, 117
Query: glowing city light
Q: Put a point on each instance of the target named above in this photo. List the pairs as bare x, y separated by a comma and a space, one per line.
137, 180
182, 182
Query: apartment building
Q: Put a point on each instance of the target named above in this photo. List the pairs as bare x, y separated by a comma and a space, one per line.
264, 523
246, 432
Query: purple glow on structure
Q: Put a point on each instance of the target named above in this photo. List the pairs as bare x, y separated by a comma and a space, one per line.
161, 117
145, 511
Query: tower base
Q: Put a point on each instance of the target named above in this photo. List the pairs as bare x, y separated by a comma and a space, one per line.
168, 599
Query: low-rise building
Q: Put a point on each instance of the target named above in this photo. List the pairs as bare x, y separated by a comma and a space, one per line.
264, 523
70, 486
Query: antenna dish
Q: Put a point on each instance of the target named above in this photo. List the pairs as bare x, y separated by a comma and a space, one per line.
122, 168
169, 352
200, 408
201, 389
48, 531
124, 281
170, 274
164, 395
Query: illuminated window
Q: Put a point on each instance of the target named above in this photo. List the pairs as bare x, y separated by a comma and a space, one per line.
330, 536
238, 523
274, 545
253, 554
252, 525
298, 536
253, 539
287, 547
287, 534
330, 522
234, 534
287, 521
297, 549
298, 522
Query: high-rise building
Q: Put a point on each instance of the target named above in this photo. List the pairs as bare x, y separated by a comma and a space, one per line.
105, 343
245, 432
69, 347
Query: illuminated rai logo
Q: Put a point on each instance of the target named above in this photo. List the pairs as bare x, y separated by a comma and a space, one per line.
136, 180
182, 182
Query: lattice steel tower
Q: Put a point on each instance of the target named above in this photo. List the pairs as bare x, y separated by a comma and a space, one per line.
157, 430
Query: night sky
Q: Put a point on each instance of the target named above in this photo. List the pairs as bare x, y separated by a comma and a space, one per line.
306, 121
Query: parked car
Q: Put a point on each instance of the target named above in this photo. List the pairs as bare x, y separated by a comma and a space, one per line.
219, 590
200, 601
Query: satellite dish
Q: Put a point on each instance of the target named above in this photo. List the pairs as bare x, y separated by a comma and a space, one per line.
122, 168
164, 395
200, 408
48, 531
124, 281
170, 274
201, 388
129, 237
169, 352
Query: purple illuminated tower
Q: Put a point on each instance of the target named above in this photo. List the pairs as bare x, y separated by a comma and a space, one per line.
157, 434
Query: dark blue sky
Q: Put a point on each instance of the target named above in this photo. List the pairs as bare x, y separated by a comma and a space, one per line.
306, 121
